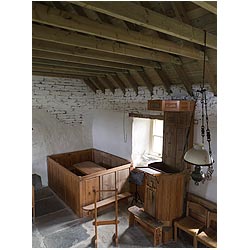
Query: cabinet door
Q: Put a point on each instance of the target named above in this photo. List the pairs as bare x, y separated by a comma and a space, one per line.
150, 200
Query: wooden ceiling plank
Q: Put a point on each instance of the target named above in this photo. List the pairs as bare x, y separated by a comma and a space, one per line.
107, 83
81, 60
209, 6
196, 13
74, 39
119, 82
61, 19
90, 84
63, 71
96, 84
131, 12
73, 70
181, 14
147, 81
76, 66
87, 53
49, 74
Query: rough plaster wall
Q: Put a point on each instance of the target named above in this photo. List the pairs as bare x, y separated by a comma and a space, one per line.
71, 101
49, 136
140, 140
112, 132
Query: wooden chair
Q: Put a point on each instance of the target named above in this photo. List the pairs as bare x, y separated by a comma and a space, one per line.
208, 237
33, 203
195, 220
107, 222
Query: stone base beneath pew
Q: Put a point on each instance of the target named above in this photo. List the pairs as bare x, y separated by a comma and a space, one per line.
147, 221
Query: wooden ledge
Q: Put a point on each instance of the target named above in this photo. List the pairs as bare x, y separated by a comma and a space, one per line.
107, 201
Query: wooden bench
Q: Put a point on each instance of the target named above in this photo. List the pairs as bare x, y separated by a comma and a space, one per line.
147, 221
190, 223
90, 209
208, 236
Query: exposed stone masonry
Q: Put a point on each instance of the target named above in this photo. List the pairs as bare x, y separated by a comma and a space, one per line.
69, 100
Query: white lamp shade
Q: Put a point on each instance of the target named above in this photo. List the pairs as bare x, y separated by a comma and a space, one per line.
198, 155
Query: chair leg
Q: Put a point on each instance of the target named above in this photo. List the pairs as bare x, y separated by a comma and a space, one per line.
175, 233
195, 242
34, 214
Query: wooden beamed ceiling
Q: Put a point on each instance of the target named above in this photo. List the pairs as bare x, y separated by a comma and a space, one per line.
125, 44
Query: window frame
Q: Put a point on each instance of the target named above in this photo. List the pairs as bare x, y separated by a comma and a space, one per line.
151, 138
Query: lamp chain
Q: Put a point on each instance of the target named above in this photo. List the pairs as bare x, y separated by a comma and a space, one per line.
210, 170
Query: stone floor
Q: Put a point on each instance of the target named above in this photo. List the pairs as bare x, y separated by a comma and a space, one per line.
56, 226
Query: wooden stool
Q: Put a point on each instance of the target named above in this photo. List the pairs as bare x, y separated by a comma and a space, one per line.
147, 221
107, 222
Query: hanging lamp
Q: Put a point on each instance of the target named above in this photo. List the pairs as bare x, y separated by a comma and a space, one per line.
198, 155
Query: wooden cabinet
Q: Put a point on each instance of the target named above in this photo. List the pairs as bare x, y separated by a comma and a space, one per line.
164, 195
150, 195
171, 105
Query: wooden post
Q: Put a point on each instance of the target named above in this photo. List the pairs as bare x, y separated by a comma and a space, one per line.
116, 217
95, 219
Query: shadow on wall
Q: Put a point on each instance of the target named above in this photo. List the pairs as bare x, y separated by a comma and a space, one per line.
50, 136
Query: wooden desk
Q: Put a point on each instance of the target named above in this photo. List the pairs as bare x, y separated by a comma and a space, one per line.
88, 167
149, 170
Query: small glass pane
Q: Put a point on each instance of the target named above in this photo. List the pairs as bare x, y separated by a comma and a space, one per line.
157, 145
158, 128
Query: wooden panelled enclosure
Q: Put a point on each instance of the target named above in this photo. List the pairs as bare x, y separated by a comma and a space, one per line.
75, 187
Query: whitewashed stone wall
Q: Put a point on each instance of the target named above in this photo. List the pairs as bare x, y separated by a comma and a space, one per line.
71, 102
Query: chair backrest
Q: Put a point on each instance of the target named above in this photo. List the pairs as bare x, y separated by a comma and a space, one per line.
197, 212
212, 219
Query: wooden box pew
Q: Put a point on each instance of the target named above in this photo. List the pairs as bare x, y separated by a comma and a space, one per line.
73, 176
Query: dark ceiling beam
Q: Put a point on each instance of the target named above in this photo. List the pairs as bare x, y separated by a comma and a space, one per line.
147, 81
165, 79
98, 84
131, 81
119, 83
90, 84
81, 60
209, 6
184, 79
74, 39
181, 14
76, 66
50, 16
134, 13
66, 69
38, 73
109, 85
87, 53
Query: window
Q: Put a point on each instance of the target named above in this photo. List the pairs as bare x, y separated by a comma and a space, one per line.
147, 141
156, 140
